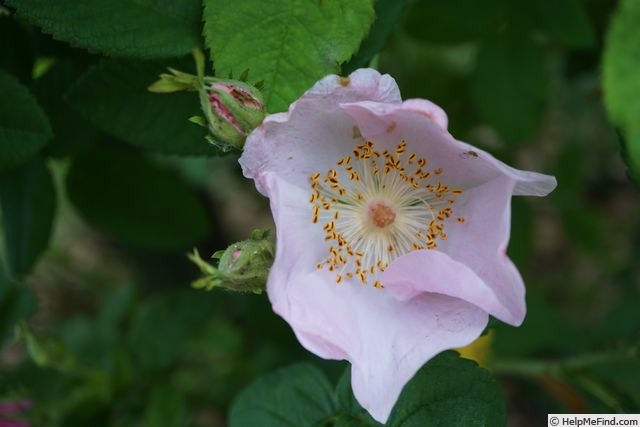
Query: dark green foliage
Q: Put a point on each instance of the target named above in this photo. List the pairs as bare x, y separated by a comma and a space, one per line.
563, 20
24, 128
123, 194
17, 303
16, 58
388, 13
510, 84
455, 21
446, 391
140, 29
450, 391
113, 96
299, 395
28, 201
114, 334
166, 408
155, 351
72, 133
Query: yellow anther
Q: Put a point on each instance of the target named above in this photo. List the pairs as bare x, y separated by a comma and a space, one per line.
341, 208
363, 277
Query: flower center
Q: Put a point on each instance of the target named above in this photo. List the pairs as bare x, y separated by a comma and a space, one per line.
381, 214
376, 206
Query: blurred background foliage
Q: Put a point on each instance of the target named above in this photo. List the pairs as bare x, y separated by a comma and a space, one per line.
105, 186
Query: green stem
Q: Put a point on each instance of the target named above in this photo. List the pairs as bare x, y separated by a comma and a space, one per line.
601, 392
532, 367
198, 57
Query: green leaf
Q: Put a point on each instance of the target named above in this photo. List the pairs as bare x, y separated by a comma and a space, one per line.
388, 14
24, 128
140, 29
73, 134
124, 195
289, 43
449, 391
510, 84
27, 198
113, 95
564, 20
454, 21
299, 395
621, 81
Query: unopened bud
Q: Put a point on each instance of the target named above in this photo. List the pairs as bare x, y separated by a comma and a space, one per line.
243, 266
233, 109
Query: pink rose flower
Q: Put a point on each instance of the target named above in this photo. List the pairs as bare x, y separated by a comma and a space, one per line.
391, 234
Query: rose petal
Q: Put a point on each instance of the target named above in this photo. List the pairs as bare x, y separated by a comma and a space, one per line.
480, 243
314, 132
365, 84
400, 338
424, 127
385, 339
429, 110
435, 272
